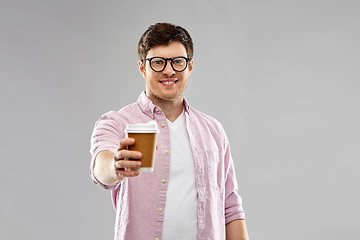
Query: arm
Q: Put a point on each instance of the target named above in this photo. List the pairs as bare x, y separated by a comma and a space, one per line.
234, 213
236, 230
111, 168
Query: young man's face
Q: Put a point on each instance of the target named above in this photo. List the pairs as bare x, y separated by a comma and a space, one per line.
168, 85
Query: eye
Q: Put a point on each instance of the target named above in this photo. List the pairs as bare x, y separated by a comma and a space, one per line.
179, 61
157, 62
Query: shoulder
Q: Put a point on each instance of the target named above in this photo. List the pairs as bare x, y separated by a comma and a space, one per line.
206, 120
120, 114
113, 120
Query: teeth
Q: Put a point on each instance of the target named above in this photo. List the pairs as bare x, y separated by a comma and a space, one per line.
168, 82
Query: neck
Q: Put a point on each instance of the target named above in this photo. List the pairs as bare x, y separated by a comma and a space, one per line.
171, 108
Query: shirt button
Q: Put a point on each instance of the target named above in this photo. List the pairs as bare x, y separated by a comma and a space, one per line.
164, 180
166, 151
160, 209
150, 114
163, 124
156, 109
156, 238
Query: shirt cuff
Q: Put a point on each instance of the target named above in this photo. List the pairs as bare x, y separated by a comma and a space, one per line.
237, 216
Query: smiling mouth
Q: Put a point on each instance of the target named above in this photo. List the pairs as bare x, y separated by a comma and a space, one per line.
168, 82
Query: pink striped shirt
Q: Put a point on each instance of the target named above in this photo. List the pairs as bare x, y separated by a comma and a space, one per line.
140, 201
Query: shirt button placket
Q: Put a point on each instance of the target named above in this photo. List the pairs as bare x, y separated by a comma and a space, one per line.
163, 125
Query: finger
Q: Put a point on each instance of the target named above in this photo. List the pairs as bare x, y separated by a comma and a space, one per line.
123, 174
126, 154
120, 174
126, 142
127, 165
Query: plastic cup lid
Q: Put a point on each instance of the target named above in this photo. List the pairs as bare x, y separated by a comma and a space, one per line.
150, 127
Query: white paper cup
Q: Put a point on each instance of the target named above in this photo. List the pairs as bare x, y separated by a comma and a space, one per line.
145, 135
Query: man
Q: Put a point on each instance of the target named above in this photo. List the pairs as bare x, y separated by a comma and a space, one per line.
192, 192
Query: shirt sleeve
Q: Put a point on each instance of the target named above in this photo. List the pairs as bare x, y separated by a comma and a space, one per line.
106, 136
233, 201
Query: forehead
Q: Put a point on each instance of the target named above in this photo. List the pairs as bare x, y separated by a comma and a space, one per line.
173, 49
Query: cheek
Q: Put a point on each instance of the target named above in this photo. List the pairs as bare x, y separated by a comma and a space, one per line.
151, 77
185, 76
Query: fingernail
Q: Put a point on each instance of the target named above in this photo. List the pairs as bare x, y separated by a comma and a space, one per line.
138, 164
138, 155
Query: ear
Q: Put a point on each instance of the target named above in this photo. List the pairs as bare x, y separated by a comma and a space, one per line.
142, 68
191, 66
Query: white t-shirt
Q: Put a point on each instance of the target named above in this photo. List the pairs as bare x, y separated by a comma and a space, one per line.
180, 220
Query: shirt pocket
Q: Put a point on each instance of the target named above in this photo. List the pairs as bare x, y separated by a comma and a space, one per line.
213, 170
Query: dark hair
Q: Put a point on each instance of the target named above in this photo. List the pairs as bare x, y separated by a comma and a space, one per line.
162, 34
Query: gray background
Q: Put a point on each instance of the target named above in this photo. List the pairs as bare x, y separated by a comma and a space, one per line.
281, 76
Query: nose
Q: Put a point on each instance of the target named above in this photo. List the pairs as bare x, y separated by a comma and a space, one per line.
169, 71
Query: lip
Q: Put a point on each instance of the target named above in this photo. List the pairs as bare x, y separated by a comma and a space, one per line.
168, 82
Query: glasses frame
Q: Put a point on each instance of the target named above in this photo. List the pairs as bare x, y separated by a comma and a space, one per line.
171, 63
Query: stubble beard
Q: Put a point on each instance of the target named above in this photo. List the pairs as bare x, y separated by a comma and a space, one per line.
171, 99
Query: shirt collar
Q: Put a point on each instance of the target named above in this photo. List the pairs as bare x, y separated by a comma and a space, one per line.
147, 106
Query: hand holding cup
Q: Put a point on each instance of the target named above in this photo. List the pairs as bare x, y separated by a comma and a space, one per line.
127, 162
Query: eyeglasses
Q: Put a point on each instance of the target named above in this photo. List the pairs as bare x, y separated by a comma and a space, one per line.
158, 64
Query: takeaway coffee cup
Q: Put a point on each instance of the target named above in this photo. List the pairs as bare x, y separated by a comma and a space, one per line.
145, 135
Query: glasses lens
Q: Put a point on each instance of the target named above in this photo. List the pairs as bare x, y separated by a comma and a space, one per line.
157, 64
179, 64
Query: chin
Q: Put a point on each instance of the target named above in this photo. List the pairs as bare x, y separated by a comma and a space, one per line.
169, 97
